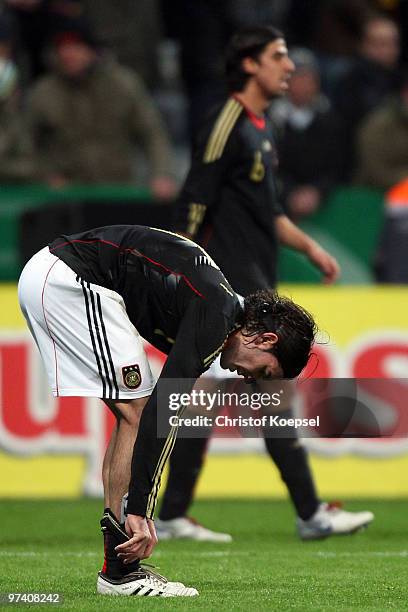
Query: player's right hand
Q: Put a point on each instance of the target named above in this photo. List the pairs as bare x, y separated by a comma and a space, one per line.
325, 262
142, 539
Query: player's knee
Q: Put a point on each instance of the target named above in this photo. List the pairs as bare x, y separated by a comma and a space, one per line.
129, 411
133, 411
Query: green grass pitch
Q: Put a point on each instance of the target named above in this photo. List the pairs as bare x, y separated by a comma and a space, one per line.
55, 546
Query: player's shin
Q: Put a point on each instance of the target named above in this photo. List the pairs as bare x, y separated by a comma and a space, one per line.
185, 465
291, 459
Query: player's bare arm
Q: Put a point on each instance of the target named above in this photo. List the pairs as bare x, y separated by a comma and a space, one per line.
292, 236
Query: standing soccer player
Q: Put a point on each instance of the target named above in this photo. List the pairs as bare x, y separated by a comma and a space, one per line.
88, 300
229, 205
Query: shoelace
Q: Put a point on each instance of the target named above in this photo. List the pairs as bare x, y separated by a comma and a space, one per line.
154, 578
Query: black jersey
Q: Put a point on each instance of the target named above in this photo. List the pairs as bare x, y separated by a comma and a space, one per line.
178, 300
229, 199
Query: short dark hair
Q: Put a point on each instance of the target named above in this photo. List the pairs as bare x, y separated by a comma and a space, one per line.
249, 42
267, 311
374, 17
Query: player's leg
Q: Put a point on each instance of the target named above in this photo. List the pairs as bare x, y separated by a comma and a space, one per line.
290, 457
116, 578
314, 519
287, 452
118, 455
185, 466
187, 460
106, 465
91, 349
116, 476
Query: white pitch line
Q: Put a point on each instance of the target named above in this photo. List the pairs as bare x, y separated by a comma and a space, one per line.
368, 553
209, 553
32, 553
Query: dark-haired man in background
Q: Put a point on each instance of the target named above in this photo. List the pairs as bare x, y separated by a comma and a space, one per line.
229, 205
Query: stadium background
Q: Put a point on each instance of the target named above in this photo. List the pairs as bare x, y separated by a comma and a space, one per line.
54, 448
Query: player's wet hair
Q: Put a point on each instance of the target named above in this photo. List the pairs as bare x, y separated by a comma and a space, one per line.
267, 311
249, 42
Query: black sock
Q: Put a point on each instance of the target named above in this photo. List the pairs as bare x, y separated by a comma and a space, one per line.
114, 534
292, 461
185, 465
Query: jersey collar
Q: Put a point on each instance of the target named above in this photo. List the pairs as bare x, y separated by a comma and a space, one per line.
257, 120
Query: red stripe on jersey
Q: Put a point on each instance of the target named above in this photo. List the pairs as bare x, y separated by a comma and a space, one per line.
130, 250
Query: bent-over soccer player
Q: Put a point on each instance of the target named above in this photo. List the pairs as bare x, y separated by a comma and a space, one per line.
89, 299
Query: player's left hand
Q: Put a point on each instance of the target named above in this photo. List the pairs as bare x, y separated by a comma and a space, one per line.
327, 264
142, 539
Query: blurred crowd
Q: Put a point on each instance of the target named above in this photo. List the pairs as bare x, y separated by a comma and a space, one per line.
102, 91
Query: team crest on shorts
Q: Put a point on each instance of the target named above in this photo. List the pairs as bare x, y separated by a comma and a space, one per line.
131, 376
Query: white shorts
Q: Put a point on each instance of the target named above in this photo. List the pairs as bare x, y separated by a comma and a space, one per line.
86, 340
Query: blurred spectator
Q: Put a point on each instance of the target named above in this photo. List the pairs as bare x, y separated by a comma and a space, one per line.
392, 257
201, 29
332, 29
16, 161
310, 139
242, 13
373, 77
131, 30
397, 10
30, 18
6, 33
329, 26
33, 22
382, 143
88, 113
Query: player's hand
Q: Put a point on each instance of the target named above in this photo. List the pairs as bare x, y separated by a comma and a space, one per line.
163, 188
327, 264
142, 539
